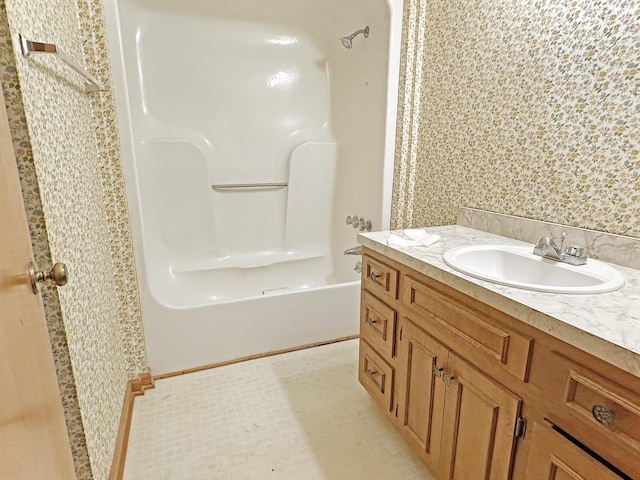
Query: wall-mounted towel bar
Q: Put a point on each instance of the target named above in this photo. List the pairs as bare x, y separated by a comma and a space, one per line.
229, 186
91, 83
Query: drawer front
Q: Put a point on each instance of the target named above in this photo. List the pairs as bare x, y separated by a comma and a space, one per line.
377, 324
509, 349
379, 279
553, 457
610, 408
376, 375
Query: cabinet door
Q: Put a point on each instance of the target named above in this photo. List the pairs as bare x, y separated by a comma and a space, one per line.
479, 425
420, 390
553, 457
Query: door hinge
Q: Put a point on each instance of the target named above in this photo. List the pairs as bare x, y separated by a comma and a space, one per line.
521, 427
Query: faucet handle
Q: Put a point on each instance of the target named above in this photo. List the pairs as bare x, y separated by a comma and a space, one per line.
563, 237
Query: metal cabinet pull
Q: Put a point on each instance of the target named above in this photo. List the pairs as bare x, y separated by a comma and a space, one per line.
370, 373
371, 322
437, 372
448, 379
603, 415
374, 277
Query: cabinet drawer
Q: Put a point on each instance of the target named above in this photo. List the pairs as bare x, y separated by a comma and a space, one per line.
611, 409
554, 457
475, 328
379, 279
375, 375
377, 324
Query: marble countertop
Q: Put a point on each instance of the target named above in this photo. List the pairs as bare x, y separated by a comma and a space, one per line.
606, 325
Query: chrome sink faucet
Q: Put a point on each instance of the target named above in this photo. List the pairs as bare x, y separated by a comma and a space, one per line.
572, 255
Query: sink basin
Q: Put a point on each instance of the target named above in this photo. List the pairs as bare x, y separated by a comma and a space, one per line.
516, 266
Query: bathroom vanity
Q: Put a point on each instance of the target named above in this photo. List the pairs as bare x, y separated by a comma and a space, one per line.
492, 382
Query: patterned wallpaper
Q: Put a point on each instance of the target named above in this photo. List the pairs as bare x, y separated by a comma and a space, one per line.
528, 108
92, 28
85, 214
41, 252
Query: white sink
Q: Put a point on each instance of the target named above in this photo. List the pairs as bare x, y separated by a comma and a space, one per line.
517, 266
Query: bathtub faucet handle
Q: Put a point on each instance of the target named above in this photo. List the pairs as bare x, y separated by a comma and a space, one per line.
366, 225
354, 220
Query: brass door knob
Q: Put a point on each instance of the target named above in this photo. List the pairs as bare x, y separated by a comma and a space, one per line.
58, 275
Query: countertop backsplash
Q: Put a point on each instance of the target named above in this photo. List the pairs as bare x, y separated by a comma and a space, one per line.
608, 247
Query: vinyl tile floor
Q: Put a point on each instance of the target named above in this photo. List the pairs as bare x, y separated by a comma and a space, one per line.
300, 415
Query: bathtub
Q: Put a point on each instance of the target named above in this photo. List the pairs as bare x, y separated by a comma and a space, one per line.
250, 131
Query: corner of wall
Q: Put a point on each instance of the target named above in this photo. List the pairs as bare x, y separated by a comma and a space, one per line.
93, 28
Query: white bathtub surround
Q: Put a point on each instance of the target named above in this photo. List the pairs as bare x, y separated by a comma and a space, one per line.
249, 134
297, 416
606, 325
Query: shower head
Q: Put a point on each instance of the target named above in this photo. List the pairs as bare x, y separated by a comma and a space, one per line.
347, 41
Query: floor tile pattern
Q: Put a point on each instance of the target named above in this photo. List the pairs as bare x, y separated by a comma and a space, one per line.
300, 415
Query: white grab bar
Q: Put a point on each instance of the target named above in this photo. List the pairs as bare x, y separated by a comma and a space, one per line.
228, 186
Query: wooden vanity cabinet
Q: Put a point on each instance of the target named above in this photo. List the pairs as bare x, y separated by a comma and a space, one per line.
466, 388
376, 375
554, 457
421, 391
378, 323
460, 420
595, 403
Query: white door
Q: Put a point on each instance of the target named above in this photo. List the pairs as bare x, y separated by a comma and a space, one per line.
34, 443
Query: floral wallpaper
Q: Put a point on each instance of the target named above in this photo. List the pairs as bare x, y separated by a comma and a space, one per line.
527, 108
40, 243
92, 28
74, 173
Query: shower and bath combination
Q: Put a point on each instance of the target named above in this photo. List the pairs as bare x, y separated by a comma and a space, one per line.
347, 42
264, 163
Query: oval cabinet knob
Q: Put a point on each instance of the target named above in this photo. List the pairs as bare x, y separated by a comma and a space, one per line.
603, 415
59, 275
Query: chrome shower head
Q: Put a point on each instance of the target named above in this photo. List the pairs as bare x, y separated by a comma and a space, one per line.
347, 41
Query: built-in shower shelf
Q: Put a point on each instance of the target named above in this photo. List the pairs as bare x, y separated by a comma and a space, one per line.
253, 260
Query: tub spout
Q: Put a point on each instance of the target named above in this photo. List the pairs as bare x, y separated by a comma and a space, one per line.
354, 250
